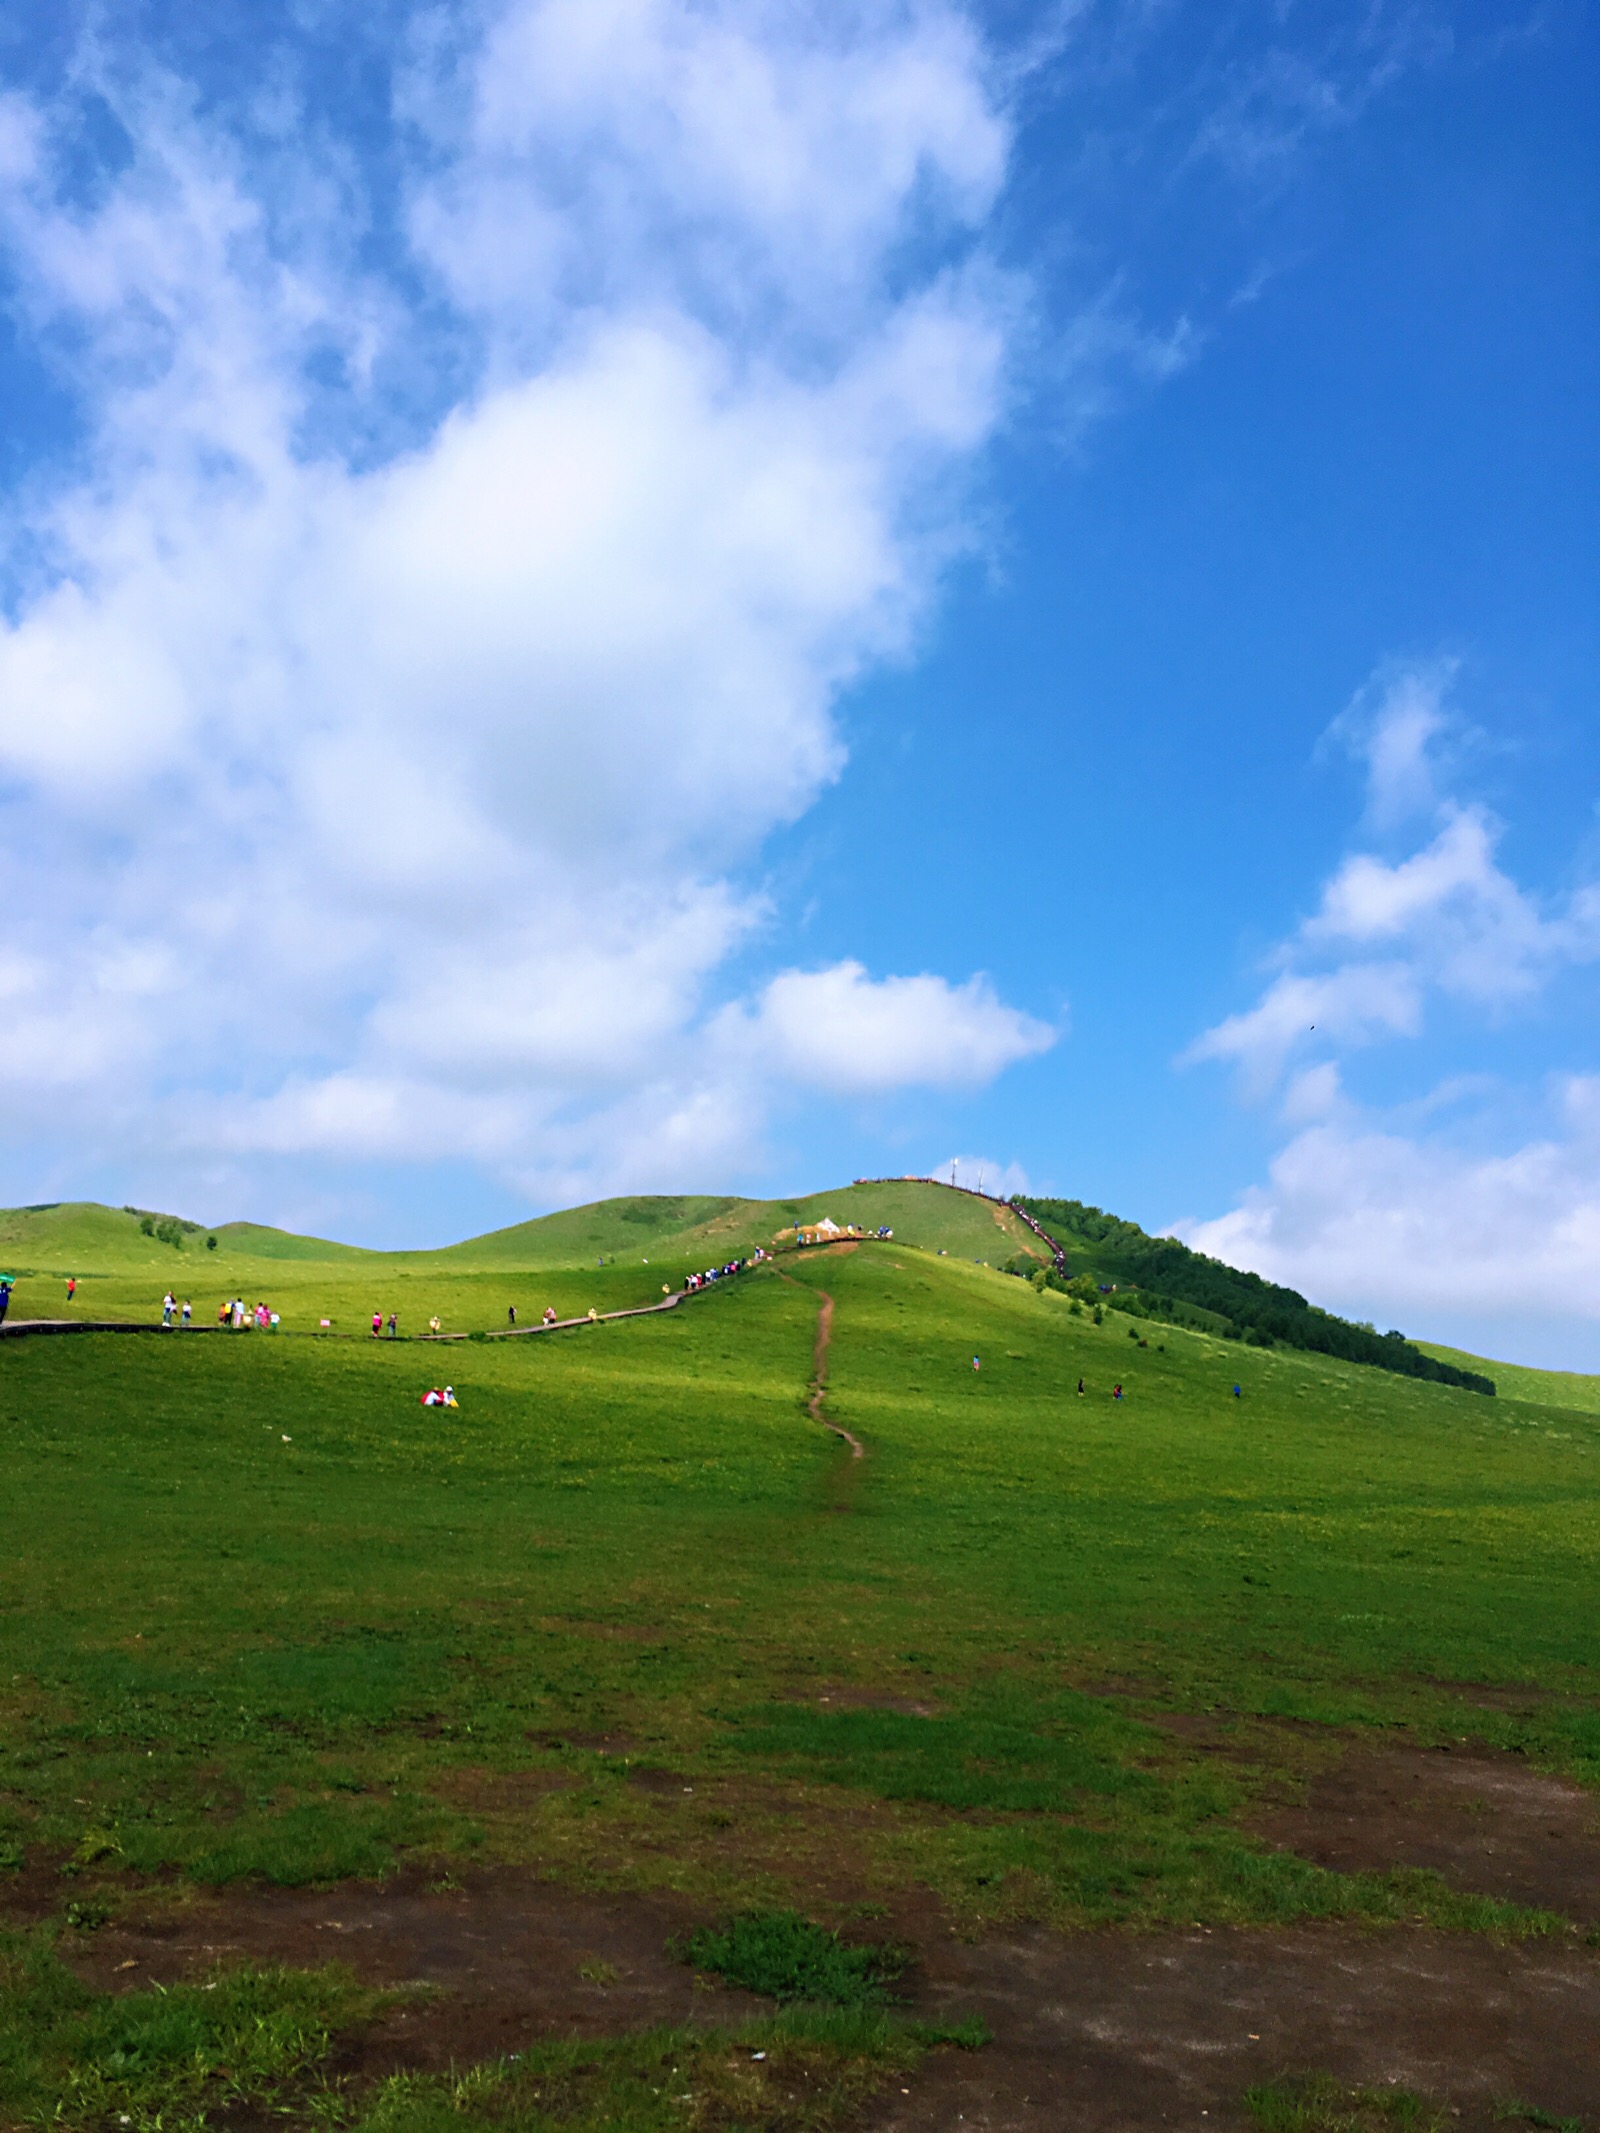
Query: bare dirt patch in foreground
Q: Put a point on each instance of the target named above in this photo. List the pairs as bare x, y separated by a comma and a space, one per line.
1094, 2031
1116, 2033
1477, 1816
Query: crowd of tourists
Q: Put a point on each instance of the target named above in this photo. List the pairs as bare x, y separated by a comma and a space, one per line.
235, 1313
691, 1282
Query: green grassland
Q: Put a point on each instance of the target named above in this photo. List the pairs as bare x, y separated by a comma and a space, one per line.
266, 1616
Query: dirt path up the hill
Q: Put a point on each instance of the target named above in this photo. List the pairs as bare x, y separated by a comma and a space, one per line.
818, 1390
819, 1377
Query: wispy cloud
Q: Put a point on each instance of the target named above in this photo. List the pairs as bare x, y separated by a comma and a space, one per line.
1404, 1209
1388, 934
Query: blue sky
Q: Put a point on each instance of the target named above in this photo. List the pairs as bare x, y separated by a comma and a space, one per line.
647, 596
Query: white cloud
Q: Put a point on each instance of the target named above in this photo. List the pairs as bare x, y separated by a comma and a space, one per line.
1394, 725
410, 782
839, 1030
1353, 1005
1409, 1212
1363, 1220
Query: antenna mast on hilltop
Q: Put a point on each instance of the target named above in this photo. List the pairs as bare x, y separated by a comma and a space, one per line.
980, 1184
952, 1173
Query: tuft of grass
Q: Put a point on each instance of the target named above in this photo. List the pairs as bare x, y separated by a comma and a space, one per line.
786, 1957
1529, 2114
1316, 2103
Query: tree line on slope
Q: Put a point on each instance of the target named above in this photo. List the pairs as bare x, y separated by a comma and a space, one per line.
1159, 1276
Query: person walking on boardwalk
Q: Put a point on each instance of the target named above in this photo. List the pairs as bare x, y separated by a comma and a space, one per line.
5, 1296
169, 1304
394, 1324
377, 1324
186, 1313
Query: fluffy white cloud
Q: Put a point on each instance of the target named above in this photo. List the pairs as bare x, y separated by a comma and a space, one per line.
1365, 1219
839, 1030
390, 792
1346, 1006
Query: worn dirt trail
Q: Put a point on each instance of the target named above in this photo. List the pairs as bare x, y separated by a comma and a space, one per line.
819, 1378
819, 1369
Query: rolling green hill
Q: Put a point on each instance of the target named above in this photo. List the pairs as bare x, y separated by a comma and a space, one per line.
124, 1258
84, 1238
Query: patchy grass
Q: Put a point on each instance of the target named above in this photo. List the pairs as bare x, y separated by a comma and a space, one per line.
164, 2060
807, 2070
175, 2060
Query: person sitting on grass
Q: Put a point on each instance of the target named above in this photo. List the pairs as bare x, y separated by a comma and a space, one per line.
436, 1396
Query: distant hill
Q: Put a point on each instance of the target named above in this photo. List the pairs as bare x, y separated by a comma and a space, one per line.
920, 1213
85, 1238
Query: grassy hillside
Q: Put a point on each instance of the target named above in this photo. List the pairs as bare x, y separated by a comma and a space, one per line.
629, 1618
1542, 1388
628, 1531
623, 1228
